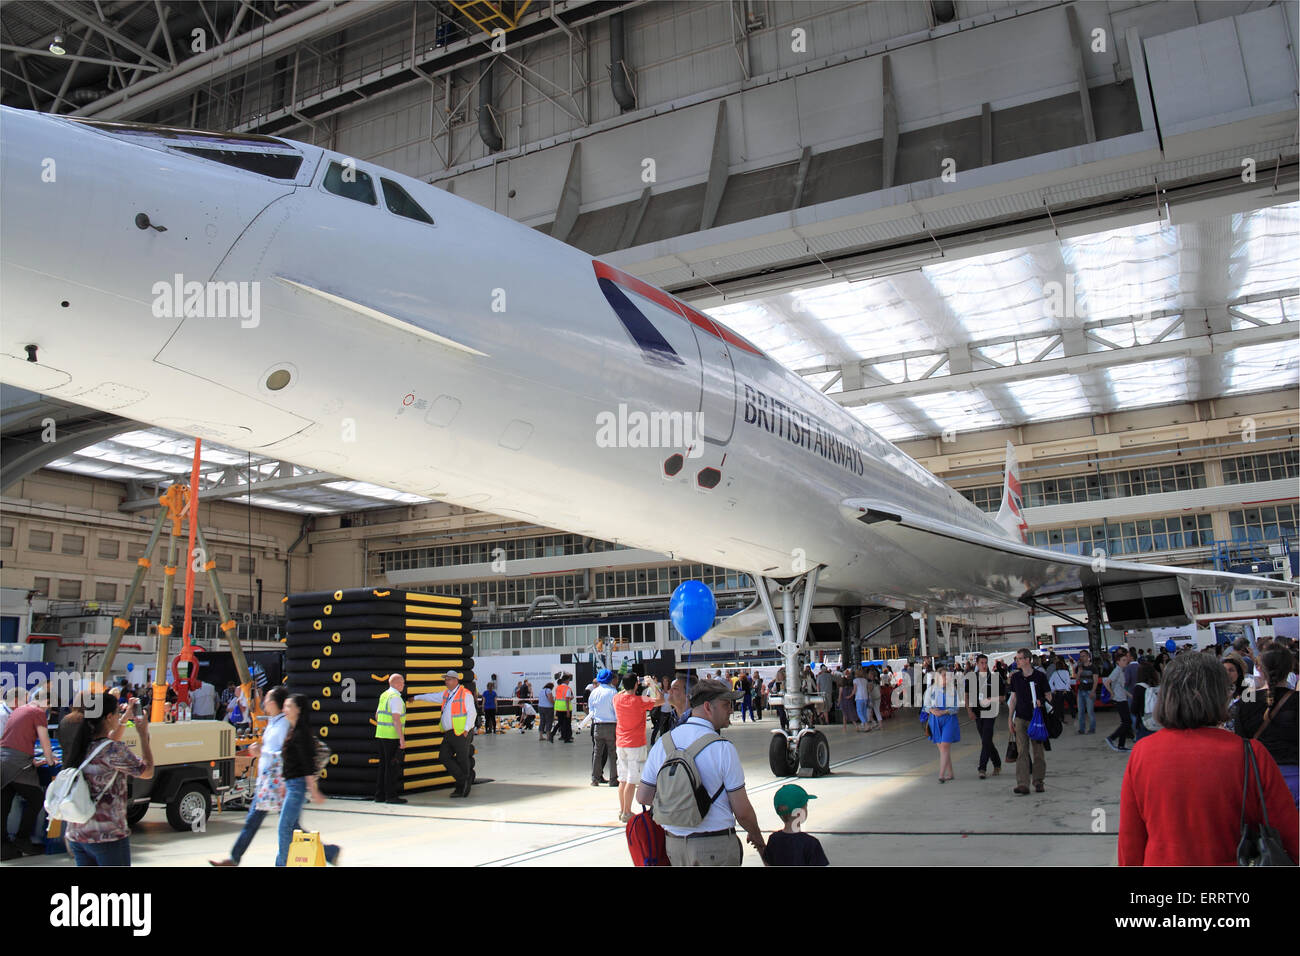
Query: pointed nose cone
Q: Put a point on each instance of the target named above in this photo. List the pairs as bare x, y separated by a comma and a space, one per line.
105, 230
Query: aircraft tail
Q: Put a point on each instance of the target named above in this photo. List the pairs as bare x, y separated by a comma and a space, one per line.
1011, 514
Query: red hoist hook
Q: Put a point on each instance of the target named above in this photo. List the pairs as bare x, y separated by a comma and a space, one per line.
192, 681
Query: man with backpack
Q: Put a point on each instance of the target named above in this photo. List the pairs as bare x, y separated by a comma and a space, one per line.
694, 782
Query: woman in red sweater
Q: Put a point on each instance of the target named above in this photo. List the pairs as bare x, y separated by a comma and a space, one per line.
1180, 804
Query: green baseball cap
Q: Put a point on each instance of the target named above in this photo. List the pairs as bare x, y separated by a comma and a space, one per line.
790, 798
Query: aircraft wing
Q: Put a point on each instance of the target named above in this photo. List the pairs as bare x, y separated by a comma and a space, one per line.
992, 567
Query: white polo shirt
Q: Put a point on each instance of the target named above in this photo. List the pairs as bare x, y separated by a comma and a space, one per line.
718, 764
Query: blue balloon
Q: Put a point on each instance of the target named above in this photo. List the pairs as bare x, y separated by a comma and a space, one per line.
1171, 645
130, 666
692, 609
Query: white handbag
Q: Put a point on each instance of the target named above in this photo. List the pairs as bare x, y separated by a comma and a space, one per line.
68, 797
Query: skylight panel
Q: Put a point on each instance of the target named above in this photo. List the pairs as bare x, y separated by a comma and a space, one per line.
1149, 383
993, 295
960, 411
1120, 273
1268, 365
885, 422
1048, 397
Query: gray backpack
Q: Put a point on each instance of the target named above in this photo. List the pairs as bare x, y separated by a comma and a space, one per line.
680, 798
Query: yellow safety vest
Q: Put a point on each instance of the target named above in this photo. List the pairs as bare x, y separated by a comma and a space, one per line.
562, 697
385, 729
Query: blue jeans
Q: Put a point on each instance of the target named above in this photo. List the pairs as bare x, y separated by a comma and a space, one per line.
113, 853
1086, 712
746, 708
295, 795
251, 823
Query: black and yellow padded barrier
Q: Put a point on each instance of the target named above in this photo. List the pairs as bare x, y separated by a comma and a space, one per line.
345, 611
374, 622
372, 596
345, 643
380, 641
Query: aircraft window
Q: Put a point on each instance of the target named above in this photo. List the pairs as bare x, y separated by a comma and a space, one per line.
275, 165
400, 203
351, 183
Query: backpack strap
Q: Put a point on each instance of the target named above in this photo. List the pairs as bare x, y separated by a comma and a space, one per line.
670, 745
1268, 714
93, 754
693, 751
704, 740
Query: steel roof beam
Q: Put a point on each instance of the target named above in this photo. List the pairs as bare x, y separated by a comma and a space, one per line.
284, 33
1189, 347
101, 26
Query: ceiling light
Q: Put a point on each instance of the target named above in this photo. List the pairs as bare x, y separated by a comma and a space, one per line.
56, 45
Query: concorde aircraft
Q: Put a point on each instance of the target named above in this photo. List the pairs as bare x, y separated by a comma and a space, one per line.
293, 301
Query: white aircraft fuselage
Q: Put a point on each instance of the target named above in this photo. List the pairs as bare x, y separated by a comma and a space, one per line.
471, 359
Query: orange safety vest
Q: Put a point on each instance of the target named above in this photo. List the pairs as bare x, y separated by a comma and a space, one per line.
455, 704
562, 692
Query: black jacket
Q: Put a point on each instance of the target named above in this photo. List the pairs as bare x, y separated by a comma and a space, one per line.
299, 753
1281, 737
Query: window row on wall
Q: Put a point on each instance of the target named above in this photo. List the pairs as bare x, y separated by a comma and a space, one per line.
511, 592
1128, 537
1270, 466
1270, 523
74, 589
607, 585
647, 582
485, 552
570, 636
1107, 485
1242, 469
109, 549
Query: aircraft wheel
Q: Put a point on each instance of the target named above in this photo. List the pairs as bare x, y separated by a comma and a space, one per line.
815, 754
778, 757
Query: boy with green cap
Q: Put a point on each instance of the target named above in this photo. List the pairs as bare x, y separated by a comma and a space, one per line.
790, 847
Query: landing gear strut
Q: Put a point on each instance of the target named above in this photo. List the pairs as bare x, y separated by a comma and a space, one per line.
803, 751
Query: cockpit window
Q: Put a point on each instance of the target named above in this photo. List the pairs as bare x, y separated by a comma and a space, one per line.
275, 165
400, 203
350, 183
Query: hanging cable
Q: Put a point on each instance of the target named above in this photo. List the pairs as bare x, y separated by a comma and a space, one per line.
249, 501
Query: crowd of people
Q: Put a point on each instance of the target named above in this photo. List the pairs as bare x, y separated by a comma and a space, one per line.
1213, 731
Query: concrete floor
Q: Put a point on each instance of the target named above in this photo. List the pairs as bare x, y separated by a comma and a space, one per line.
882, 804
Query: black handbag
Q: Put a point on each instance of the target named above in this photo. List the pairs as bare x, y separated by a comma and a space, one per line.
1013, 752
1259, 846
1052, 717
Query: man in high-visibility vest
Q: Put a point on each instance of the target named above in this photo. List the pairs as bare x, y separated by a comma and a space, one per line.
458, 717
390, 738
563, 709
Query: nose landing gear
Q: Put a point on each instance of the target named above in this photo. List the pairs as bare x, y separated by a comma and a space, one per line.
802, 750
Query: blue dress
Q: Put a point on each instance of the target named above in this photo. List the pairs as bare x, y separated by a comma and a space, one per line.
945, 728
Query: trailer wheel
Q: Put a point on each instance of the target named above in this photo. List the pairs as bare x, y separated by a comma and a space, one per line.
191, 804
